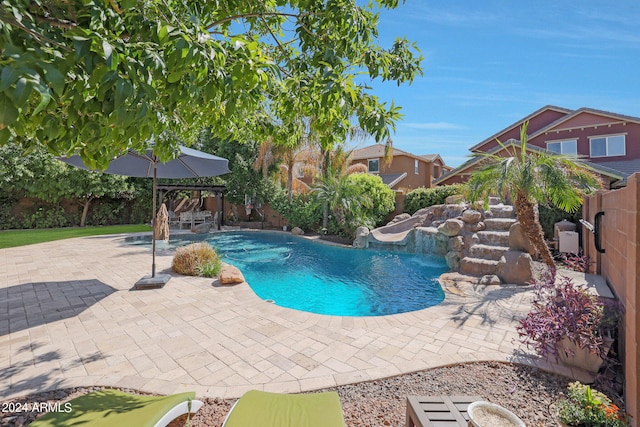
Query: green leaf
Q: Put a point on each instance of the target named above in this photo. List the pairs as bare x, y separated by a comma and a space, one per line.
8, 112
174, 76
123, 91
54, 78
81, 48
8, 77
163, 33
45, 97
108, 55
5, 134
22, 92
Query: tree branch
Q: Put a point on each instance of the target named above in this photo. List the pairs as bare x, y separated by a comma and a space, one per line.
251, 15
39, 38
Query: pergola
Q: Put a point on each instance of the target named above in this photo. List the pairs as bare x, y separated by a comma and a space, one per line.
218, 190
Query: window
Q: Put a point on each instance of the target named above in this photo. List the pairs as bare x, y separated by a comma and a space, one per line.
607, 146
570, 146
374, 165
415, 166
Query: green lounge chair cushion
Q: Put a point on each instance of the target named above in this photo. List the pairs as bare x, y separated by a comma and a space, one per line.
263, 409
112, 408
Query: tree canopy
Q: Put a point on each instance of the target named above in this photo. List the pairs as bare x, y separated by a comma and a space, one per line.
98, 77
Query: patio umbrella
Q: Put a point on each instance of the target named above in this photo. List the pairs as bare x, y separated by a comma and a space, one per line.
188, 163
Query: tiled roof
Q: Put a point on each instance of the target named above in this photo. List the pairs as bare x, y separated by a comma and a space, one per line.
373, 151
391, 179
627, 167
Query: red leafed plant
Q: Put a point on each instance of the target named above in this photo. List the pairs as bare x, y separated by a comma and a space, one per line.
563, 310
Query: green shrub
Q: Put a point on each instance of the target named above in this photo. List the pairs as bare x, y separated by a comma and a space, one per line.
106, 212
380, 195
425, 197
8, 220
47, 217
300, 211
196, 259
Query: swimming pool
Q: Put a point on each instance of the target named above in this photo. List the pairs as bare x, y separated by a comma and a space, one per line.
297, 273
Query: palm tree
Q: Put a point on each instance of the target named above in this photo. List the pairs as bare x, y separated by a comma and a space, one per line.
530, 178
337, 194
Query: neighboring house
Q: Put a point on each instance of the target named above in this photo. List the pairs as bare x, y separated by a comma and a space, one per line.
607, 143
404, 171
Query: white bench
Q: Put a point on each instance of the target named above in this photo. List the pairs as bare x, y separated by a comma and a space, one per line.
192, 218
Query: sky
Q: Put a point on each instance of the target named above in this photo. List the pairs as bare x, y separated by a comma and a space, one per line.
488, 64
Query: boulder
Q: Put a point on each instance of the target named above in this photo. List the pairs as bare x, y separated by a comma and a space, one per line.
518, 241
362, 238
399, 218
471, 216
478, 226
230, 275
297, 231
456, 243
515, 267
454, 199
453, 260
202, 228
451, 227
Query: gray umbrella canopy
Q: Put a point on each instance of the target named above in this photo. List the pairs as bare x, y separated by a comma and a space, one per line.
188, 163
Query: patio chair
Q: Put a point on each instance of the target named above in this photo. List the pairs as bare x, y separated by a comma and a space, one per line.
115, 408
262, 409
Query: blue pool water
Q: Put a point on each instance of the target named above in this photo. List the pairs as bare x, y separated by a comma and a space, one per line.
305, 275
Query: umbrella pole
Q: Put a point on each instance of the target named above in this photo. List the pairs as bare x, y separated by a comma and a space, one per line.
153, 281
153, 225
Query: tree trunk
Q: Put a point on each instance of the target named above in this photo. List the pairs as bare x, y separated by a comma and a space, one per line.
290, 182
526, 214
85, 210
325, 215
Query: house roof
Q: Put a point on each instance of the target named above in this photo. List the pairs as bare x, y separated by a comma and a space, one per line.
599, 168
377, 150
519, 123
392, 179
617, 170
627, 167
609, 115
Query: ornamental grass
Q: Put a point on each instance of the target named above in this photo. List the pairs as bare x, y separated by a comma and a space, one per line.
197, 259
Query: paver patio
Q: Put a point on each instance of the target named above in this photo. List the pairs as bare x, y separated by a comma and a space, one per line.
69, 317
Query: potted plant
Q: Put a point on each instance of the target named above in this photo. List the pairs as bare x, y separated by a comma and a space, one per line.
569, 323
588, 407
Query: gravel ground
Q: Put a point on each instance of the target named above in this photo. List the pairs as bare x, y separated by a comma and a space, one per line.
526, 391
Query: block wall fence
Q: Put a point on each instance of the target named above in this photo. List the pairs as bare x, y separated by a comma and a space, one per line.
619, 265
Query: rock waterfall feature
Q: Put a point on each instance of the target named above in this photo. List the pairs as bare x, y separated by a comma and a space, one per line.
473, 241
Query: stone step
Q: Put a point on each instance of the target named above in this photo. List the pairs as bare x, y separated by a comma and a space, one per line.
502, 211
495, 238
491, 252
478, 266
499, 224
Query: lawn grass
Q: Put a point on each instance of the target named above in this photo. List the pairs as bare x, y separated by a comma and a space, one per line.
13, 238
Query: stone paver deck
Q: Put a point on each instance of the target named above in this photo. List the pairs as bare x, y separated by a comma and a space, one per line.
69, 317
